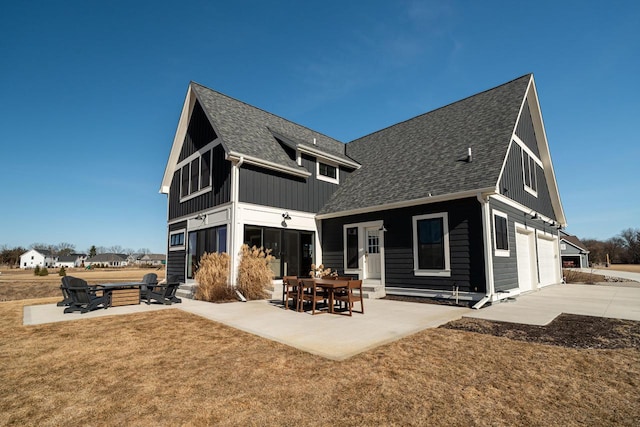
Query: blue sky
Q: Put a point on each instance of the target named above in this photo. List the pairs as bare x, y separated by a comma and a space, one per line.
91, 92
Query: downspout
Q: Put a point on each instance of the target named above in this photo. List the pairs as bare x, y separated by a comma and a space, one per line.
235, 182
488, 259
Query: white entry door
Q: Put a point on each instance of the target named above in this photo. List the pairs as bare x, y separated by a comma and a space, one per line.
525, 255
372, 253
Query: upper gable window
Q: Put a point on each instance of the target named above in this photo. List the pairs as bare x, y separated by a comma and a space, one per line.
327, 172
195, 176
530, 174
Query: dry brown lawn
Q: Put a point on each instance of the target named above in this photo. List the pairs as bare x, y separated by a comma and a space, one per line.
16, 284
633, 268
174, 368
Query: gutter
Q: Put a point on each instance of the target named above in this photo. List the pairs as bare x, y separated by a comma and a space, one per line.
483, 198
233, 156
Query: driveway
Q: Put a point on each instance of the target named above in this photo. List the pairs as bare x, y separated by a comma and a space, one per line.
542, 306
613, 273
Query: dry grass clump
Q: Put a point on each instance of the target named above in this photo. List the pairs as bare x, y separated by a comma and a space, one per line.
254, 274
213, 278
572, 276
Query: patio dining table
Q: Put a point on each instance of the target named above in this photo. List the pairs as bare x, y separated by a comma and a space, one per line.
127, 293
331, 285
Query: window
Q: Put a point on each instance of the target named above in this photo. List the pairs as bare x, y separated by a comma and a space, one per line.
431, 245
327, 172
292, 250
529, 171
195, 176
212, 239
176, 240
500, 234
352, 247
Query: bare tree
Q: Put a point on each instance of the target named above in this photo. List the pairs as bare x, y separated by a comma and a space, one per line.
116, 249
630, 241
144, 251
65, 248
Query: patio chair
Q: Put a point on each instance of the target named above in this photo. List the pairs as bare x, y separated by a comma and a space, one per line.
85, 298
150, 280
290, 290
309, 292
165, 293
349, 297
64, 287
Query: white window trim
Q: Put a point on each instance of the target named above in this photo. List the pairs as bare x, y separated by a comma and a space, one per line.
182, 247
447, 255
500, 252
335, 180
533, 176
201, 190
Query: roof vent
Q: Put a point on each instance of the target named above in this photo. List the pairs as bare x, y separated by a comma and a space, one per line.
469, 155
314, 141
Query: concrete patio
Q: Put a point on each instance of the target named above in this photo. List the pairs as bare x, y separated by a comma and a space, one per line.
339, 337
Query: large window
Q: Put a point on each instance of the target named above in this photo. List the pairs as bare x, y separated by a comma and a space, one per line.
195, 176
431, 245
327, 172
292, 250
212, 239
530, 174
500, 234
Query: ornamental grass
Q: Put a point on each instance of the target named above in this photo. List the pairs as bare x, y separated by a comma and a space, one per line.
213, 278
254, 273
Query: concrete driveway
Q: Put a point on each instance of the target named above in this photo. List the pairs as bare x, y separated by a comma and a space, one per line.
542, 306
613, 273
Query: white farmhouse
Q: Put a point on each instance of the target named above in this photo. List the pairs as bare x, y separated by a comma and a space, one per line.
37, 257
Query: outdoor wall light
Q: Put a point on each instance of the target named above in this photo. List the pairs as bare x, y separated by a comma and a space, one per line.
382, 228
201, 217
286, 216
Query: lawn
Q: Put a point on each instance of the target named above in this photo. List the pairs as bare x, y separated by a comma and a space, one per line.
174, 368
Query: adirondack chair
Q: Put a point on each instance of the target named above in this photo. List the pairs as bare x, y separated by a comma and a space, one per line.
150, 280
165, 293
85, 298
64, 287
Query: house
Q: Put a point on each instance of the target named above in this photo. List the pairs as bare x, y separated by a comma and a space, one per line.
458, 202
152, 259
37, 258
573, 252
107, 260
71, 260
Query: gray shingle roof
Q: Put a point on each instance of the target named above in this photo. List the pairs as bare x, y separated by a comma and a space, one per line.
247, 130
423, 155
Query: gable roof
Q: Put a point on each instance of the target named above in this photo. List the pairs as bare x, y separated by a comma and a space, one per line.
426, 157
574, 241
108, 257
253, 135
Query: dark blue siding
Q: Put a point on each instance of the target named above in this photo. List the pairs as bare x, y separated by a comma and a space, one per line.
512, 184
526, 132
465, 240
199, 133
176, 259
271, 188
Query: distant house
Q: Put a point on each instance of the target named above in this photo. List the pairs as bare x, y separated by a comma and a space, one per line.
574, 253
71, 261
37, 258
458, 202
108, 260
152, 259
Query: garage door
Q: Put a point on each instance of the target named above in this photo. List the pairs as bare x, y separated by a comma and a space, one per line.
548, 261
525, 255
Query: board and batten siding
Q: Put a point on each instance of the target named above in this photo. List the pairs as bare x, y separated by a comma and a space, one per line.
526, 132
220, 191
512, 185
465, 243
176, 259
271, 188
199, 133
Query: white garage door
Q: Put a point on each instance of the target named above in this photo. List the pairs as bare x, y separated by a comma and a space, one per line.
548, 261
525, 256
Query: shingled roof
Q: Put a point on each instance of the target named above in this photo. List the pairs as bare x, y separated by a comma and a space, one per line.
426, 156
250, 131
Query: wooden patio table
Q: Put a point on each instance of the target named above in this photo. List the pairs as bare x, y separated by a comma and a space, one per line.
127, 293
330, 285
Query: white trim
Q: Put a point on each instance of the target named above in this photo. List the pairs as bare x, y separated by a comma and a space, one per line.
533, 173
434, 293
524, 147
182, 247
325, 178
446, 272
235, 156
500, 252
361, 270
522, 208
408, 203
327, 157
